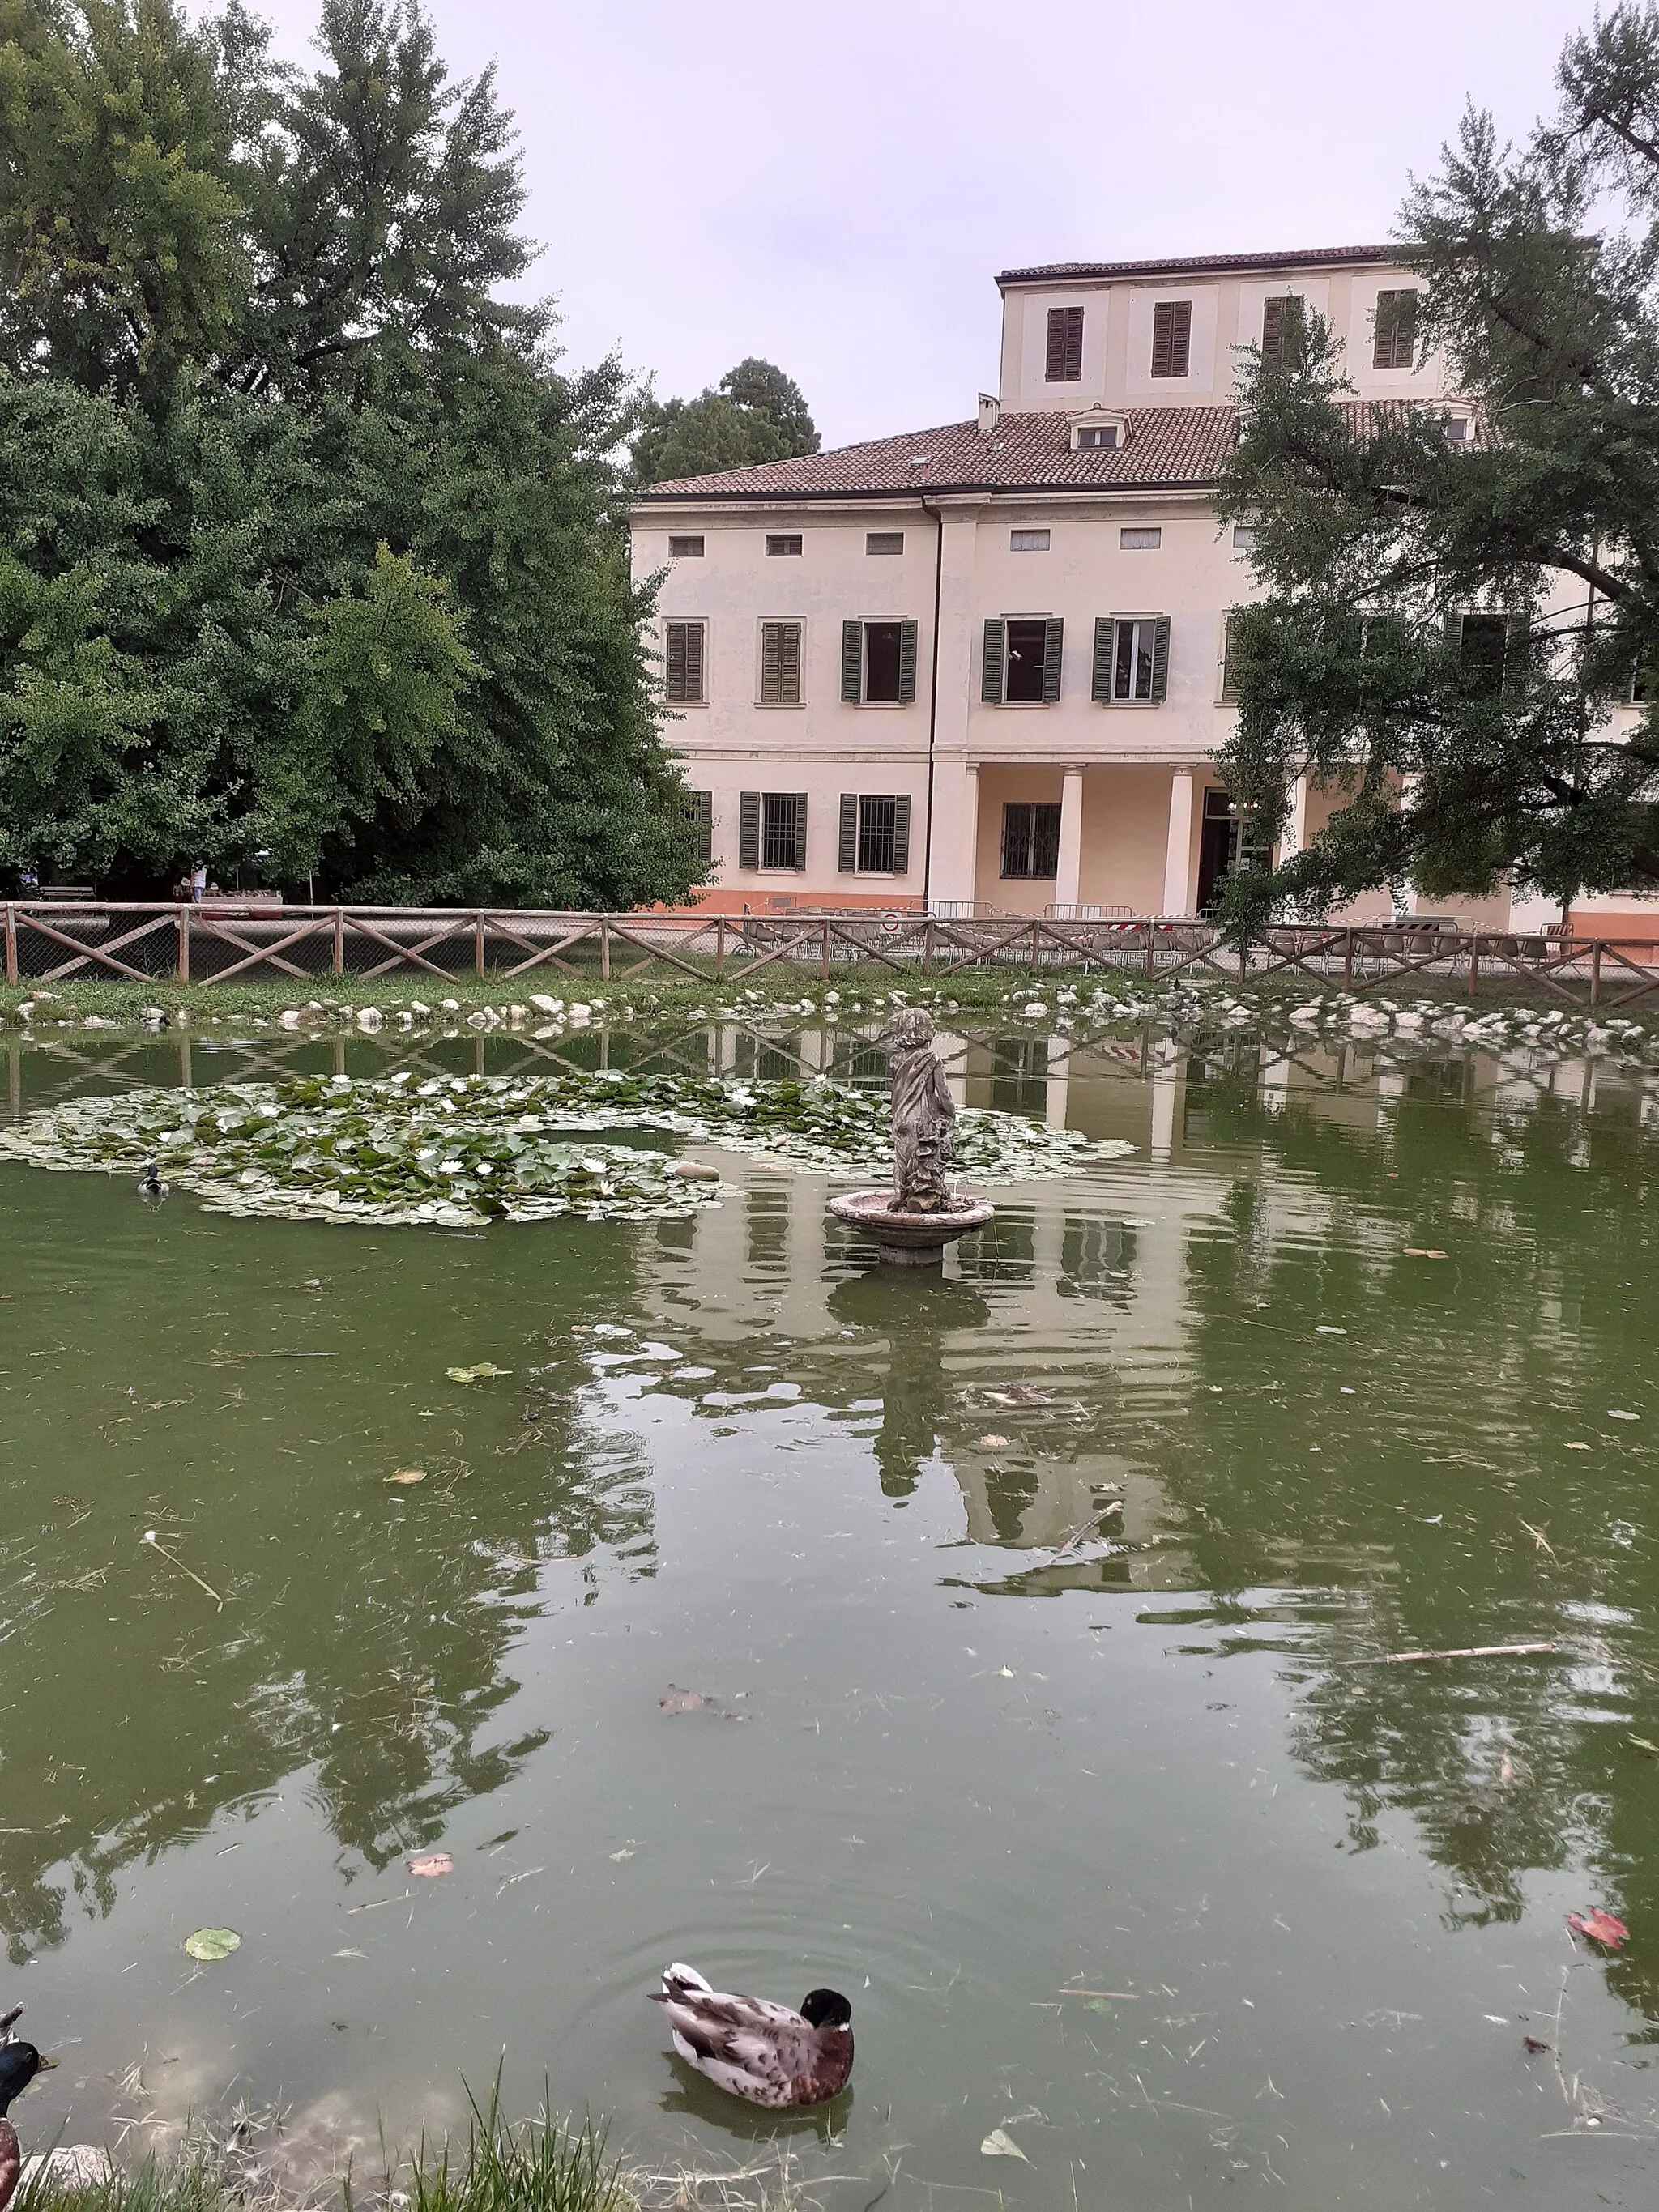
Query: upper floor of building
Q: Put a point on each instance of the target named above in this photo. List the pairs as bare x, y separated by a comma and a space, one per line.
1173, 333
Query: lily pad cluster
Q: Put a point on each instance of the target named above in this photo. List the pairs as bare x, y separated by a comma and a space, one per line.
455, 1149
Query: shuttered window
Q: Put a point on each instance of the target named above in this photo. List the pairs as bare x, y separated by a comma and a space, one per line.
699, 813
1284, 328
1172, 336
1138, 664
875, 833
1030, 841
685, 549
684, 660
1229, 669
879, 663
1485, 644
1027, 655
780, 684
1063, 364
1394, 342
772, 829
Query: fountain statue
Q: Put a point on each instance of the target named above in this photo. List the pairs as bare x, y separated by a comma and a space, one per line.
913, 1222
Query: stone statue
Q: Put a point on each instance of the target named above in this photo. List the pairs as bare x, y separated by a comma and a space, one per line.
923, 1111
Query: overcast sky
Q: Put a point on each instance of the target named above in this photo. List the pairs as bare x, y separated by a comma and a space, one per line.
834, 184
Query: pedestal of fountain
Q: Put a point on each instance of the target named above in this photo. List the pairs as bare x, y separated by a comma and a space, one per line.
910, 1240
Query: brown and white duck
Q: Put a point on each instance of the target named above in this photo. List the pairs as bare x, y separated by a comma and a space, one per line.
757, 2049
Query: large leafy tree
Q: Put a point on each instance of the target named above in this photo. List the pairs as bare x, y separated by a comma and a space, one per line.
1456, 608
307, 544
755, 413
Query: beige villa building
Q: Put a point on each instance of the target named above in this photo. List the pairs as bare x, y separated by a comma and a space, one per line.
982, 667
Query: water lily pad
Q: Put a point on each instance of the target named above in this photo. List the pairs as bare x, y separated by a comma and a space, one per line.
211, 1944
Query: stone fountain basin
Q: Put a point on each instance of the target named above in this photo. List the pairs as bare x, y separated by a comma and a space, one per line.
909, 1240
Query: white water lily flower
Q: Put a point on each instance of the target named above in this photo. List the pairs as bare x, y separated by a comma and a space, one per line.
450, 1167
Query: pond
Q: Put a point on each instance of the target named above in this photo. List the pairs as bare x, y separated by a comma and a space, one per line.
1039, 1607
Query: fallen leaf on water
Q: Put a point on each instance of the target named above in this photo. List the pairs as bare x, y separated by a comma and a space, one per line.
1001, 2144
1641, 1744
1328, 1328
433, 1865
619, 1856
1530, 2043
407, 1474
478, 1374
1419, 1252
993, 1443
676, 1700
1024, 1394
211, 1944
1577, 1446
1008, 1671
1604, 1928
1098, 2004
1614, 1414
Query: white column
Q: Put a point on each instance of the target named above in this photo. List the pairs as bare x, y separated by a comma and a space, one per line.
1178, 892
1068, 876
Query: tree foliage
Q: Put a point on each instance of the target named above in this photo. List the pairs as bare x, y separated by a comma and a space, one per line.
1468, 751
755, 413
307, 544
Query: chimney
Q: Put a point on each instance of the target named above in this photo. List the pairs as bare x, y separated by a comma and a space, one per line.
990, 410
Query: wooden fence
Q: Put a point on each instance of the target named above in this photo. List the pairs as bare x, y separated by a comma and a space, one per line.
214, 942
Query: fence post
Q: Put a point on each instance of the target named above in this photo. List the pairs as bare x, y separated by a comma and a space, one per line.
1151, 933
1595, 973
605, 948
183, 943
823, 950
720, 950
1244, 955
339, 940
1475, 961
478, 946
1036, 942
11, 945
927, 944
1347, 959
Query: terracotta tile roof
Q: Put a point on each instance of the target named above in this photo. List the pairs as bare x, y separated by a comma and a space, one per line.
1200, 264
1167, 446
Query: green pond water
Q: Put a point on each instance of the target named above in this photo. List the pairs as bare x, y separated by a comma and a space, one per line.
968, 1761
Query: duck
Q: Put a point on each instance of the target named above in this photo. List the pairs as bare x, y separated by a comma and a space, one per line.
756, 2049
19, 2064
150, 1184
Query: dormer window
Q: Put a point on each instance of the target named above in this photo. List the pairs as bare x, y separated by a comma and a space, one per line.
1457, 429
1098, 432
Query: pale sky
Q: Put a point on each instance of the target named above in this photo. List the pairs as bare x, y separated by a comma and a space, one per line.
834, 184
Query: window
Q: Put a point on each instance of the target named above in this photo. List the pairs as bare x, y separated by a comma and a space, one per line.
883, 540
782, 542
700, 814
1394, 344
1030, 841
1063, 364
780, 684
772, 829
1283, 330
1140, 541
1132, 659
1028, 541
1244, 537
684, 659
685, 549
875, 833
1482, 642
1022, 661
1455, 429
1228, 659
1102, 435
879, 663
1172, 336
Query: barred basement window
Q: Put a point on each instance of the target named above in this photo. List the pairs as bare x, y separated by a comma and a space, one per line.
1172, 336
1394, 343
685, 549
683, 661
1031, 842
782, 542
883, 540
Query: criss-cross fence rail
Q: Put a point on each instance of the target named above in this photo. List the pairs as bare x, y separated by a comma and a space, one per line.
215, 942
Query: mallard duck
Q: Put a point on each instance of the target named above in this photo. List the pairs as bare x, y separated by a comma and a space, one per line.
19, 2064
150, 1184
757, 2049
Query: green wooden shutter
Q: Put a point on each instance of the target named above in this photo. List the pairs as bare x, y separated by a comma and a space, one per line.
676, 670
852, 663
1454, 630
799, 861
848, 856
1516, 646
990, 686
700, 812
693, 694
789, 664
1161, 659
1229, 682
901, 834
770, 635
748, 830
1100, 683
1054, 638
907, 664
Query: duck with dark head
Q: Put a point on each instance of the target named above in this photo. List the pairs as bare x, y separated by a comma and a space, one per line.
19, 2064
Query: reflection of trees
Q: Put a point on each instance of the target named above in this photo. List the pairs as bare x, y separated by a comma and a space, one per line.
368, 1631
1408, 1501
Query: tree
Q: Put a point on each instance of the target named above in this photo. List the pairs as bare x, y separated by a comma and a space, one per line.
259, 391
1453, 610
755, 413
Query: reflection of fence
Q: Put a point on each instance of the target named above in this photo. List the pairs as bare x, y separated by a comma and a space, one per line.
49, 942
